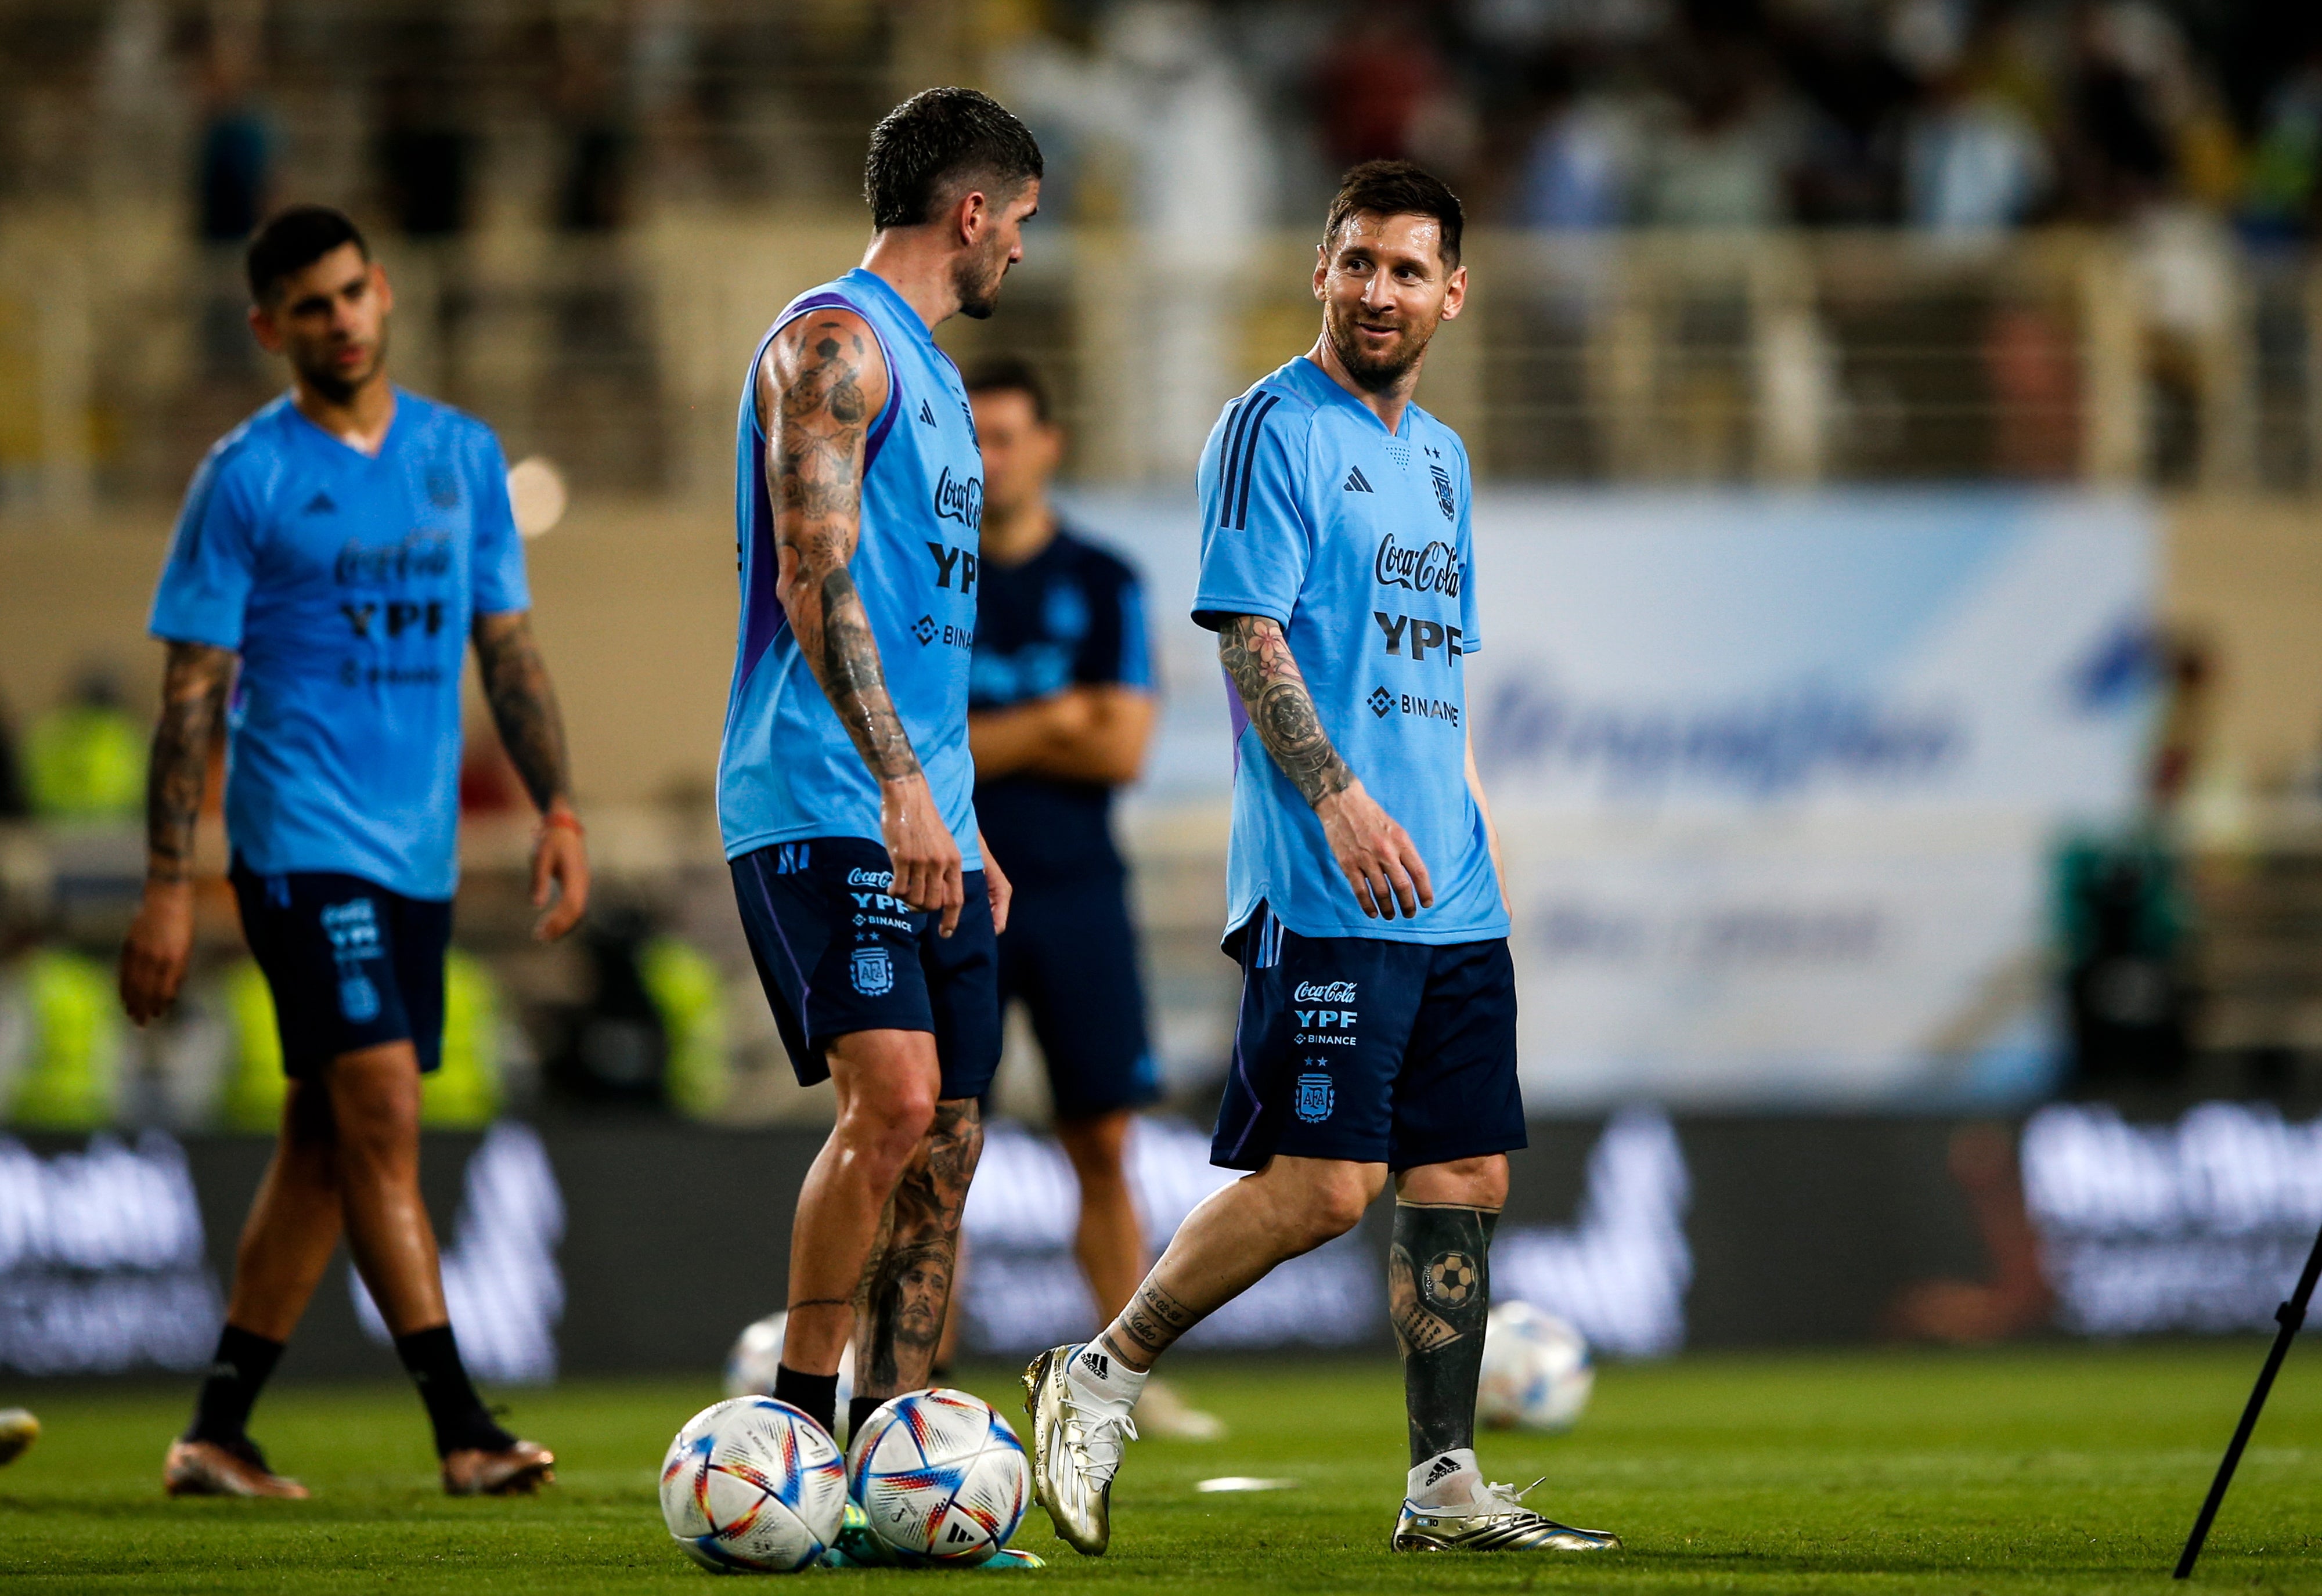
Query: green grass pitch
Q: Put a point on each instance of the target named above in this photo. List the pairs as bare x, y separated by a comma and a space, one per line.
2054, 1469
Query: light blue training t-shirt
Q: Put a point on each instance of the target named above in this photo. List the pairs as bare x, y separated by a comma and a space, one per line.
346, 581
787, 768
1358, 542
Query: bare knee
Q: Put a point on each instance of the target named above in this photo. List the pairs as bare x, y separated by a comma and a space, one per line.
374, 1103
1465, 1183
1097, 1148
887, 1084
1328, 1201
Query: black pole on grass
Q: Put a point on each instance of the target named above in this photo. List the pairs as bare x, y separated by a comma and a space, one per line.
2290, 1316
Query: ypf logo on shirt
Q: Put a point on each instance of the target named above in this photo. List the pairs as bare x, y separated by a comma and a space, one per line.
872, 972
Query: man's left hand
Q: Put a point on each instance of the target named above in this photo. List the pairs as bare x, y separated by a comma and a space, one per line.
995, 887
560, 863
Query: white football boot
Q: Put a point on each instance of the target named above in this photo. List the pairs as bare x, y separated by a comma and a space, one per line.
1495, 1519
1076, 1452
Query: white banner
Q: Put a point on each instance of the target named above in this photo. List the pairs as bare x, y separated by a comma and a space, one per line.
1779, 776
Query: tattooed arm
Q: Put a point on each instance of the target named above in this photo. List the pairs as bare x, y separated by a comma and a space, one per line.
820, 385
161, 938
1380, 862
532, 730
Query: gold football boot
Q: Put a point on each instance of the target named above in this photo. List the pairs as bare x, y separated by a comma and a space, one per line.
1076, 1452
1496, 1521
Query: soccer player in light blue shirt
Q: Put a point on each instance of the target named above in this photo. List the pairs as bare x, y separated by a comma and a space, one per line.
337, 555
1377, 1032
846, 783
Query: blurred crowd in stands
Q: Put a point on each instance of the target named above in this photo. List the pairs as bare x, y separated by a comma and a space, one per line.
1950, 116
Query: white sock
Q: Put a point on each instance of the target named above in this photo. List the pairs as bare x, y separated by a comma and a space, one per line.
1447, 1480
1104, 1378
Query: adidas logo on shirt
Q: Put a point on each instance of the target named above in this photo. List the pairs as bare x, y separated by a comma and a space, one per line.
321, 503
1355, 481
927, 417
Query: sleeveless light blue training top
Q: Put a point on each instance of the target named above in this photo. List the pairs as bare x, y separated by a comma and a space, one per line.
787, 768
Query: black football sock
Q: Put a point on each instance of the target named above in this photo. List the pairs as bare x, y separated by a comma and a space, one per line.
1439, 1290
236, 1376
859, 1411
814, 1395
432, 1358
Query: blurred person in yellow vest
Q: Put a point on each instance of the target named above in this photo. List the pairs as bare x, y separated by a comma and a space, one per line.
70, 1075
85, 759
461, 1094
689, 995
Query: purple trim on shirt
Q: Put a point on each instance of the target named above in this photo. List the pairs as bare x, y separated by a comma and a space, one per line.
1238, 712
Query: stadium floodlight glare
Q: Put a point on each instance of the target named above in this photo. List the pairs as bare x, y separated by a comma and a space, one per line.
2290, 1315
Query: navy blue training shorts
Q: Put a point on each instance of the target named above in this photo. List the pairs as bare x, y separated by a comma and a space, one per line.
838, 953
1070, 953
351, 965
1356, 1047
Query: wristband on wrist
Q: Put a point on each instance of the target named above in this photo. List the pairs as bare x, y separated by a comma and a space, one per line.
564, 819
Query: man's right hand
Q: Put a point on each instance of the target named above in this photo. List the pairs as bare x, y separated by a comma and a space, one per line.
1380, 861
921, 848
161, 944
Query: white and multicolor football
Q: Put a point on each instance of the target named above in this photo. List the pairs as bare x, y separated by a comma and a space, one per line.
753, 1485
941, 1477
1537, 1375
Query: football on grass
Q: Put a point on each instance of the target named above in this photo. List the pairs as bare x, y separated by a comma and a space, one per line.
941, 1477
1536, 1370
753, 1486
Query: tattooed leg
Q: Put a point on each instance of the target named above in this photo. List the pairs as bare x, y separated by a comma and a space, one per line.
1439, 1290
906, 1288
1233, 1240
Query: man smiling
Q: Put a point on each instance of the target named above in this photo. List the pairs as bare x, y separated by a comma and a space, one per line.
1378, 1025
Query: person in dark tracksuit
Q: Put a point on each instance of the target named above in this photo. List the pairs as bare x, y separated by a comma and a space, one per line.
1060, 712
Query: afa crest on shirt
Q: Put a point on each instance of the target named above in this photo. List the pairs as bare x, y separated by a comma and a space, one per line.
872, 972
1443, 498
1314, 1100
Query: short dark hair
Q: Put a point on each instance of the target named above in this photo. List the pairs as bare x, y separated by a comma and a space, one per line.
935, 139
294, 239
1397, 188
1010, 374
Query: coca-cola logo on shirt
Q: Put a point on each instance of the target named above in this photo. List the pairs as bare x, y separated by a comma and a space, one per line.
1430, 568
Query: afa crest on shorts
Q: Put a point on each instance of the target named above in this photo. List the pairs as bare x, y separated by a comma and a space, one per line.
1314, 1099
873, 970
